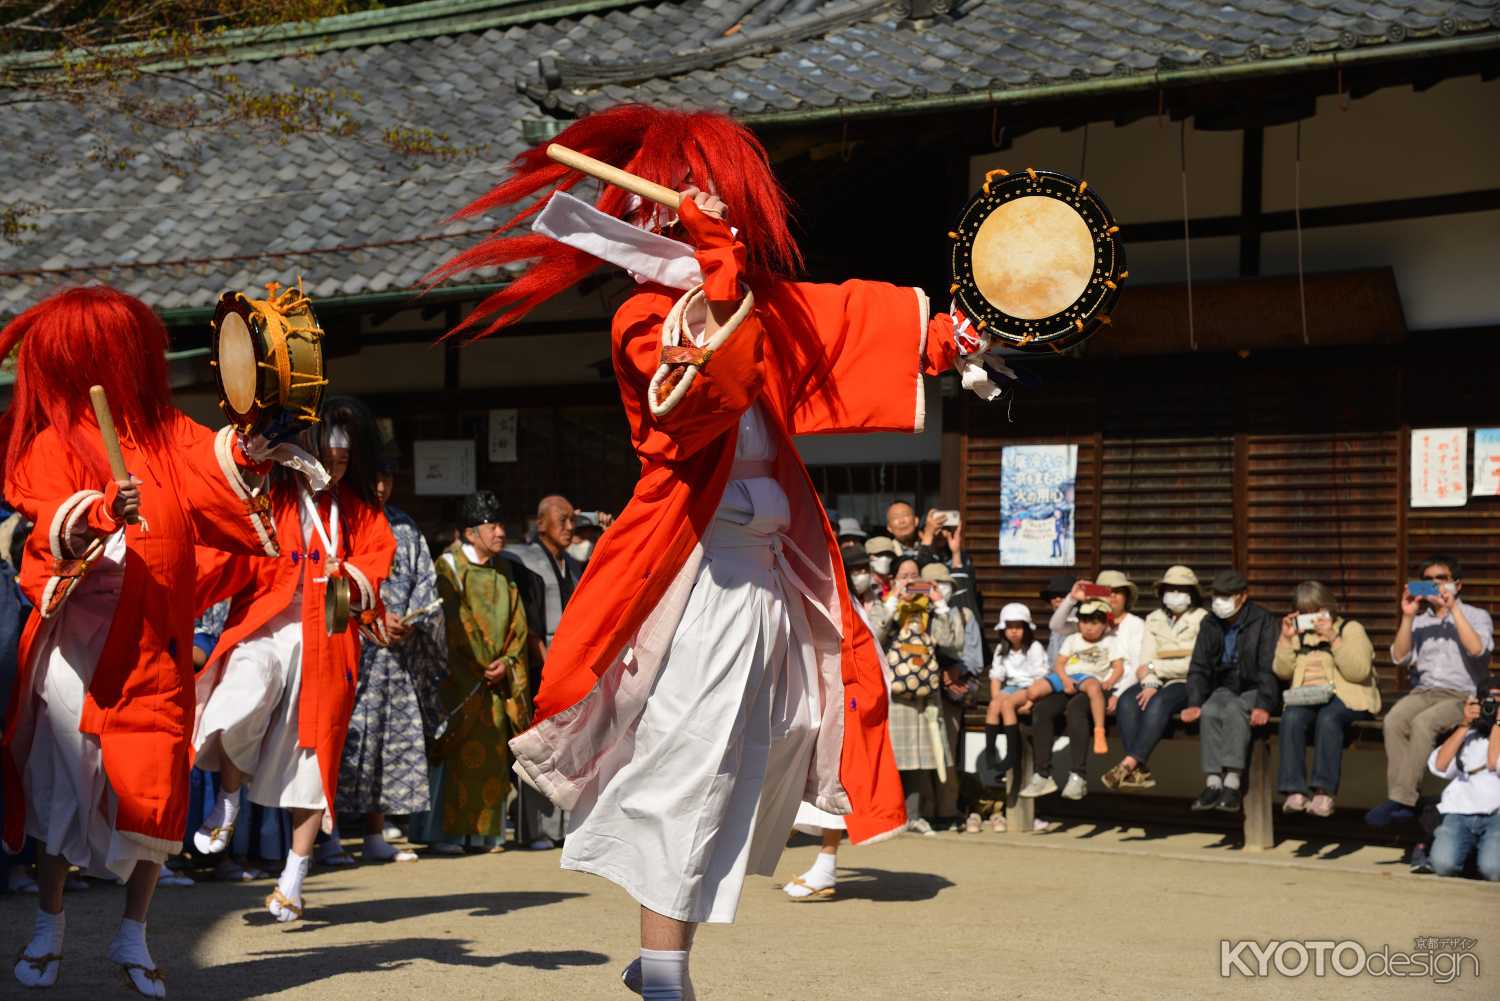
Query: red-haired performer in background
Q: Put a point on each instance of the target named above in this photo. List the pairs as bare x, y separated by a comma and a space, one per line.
96, 739
275, 697
709, 673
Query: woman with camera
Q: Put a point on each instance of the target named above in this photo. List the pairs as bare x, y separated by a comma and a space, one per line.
1330, 664
913, 624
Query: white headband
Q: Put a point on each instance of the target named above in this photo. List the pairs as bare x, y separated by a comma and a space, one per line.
338, 437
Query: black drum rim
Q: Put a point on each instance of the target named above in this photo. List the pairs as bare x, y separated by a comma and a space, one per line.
1093, 306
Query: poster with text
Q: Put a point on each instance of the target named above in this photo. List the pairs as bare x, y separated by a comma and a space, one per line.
1439, 467
1486, 462
1036, 505
502, 436
443, 468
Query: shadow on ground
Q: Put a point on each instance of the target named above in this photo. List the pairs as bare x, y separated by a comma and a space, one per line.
884, 885
287, 969
322, 913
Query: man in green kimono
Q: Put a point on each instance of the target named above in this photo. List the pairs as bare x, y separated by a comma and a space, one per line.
486, 691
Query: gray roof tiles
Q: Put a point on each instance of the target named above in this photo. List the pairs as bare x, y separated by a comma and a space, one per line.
355, 216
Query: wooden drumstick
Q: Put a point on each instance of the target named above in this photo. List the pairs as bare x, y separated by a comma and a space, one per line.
111, 439
649, 190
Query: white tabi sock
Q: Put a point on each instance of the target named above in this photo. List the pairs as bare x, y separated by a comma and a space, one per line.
290, 885
664, 975
1231, 779
46, 940
1213, 781
225, 812
822, 875
129, 950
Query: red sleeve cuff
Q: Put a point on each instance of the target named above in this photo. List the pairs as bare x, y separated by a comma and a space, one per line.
245, 462
941, 351
100, 521
720, 256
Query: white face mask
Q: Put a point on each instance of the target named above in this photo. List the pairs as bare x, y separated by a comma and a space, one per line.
1225, 607
943, 591
860, 580
581, 550
880, 564
1176, 602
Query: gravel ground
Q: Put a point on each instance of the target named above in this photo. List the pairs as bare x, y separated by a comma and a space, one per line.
1081, 911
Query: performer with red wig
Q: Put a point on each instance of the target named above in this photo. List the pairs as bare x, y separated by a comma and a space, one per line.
710, 673
96, 736
275, 697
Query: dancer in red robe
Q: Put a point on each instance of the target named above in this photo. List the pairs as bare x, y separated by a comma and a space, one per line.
275, 697
710, 673
96, 739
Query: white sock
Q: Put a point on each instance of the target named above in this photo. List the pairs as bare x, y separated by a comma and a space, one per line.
290, 884
822, 875
129, 949
1231, 779
664, 975
1214, 781
225, 812
46, 940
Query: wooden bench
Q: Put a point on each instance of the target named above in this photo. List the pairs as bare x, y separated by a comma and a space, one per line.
1259, 790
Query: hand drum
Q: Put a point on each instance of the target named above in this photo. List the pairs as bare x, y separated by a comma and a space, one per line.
1037, 264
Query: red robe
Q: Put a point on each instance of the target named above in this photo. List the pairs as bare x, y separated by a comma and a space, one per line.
820, 359
140, 700
260, 589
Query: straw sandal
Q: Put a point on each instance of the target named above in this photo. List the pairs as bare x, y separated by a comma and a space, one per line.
153, 974
814, 893
284, 902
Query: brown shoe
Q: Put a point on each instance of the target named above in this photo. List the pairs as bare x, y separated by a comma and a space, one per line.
1139, 779
1115, 777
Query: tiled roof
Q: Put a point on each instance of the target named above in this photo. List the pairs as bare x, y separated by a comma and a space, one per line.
355, 217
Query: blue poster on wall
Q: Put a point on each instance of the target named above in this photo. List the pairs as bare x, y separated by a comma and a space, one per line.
1036, 505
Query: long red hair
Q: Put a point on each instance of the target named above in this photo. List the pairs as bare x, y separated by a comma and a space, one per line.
79, 338
673, 148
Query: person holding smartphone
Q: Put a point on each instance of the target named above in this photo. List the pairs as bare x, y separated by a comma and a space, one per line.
1445, 643
1470, 760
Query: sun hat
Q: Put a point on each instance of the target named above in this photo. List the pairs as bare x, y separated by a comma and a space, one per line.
1116, 581
1014, 612
1179, 576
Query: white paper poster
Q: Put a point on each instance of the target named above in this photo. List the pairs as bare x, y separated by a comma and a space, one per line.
502, 436
1036, 505
1439, 467
443, 468
1486, 462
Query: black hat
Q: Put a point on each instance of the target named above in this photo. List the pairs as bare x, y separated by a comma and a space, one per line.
1058, 585
854, 555
480, 509
1229, 582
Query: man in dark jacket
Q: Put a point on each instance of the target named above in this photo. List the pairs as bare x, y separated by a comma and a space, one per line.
1230, 685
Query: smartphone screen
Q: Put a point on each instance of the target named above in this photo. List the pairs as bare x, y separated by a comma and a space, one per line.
1422, 589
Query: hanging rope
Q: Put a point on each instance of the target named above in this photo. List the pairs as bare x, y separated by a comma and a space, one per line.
1297, 218
1187, 241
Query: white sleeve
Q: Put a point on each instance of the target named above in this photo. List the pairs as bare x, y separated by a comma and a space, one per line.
1452, 771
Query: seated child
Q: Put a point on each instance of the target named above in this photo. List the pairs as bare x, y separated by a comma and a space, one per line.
1470, 805
1019, 661
1090, 661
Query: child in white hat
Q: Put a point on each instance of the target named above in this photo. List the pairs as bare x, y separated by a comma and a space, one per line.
1019, 662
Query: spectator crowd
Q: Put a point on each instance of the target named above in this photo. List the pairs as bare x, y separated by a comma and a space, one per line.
426, 760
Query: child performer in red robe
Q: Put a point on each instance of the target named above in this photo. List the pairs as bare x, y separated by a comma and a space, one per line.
275, 697
96, 739
710, 673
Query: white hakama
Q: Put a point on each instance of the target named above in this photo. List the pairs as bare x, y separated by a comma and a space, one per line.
722, 750
70, 806
251, 717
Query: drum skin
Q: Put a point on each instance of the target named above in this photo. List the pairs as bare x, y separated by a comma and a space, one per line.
1037, 263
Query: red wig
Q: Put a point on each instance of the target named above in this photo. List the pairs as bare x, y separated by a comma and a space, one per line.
80, 338
673, 148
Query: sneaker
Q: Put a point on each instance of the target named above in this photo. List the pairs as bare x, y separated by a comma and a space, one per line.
1295, 803
631, 976
1040, 785
1077, 787
1321, 806
20, 881
1139, 779
997, 823
1115, 777
1229, 800
1208, 799
1421, 862
920, 826
1390, 812
973, 825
